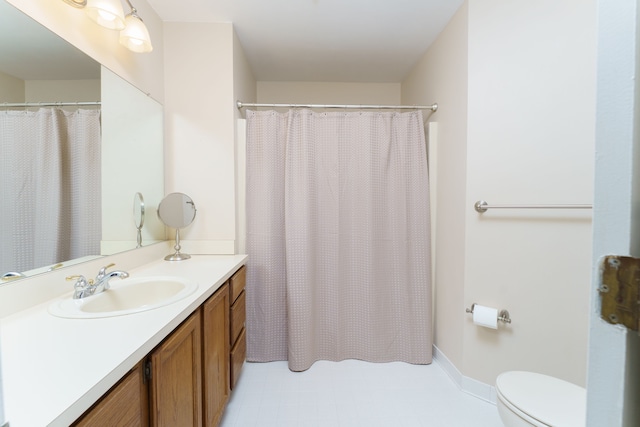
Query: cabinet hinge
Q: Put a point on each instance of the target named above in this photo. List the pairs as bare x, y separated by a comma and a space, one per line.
147, 371
619, 289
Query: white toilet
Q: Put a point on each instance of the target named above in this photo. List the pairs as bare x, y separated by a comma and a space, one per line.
528, 399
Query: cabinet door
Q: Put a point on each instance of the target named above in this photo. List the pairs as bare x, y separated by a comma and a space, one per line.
238, 355
126, 404
237, 317
176, 377
215, 334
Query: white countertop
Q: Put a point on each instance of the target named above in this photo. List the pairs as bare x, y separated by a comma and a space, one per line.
54, 369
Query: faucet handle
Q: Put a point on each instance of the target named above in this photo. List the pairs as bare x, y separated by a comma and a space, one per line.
103, 271
82, 287
81, 281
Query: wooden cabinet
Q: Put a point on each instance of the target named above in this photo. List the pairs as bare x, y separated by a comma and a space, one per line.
126, 404
215, 334
176, 377
237, 316
187, 379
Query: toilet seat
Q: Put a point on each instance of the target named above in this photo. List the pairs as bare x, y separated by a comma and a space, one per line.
542, 400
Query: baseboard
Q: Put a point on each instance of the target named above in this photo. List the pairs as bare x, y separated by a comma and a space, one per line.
470, 386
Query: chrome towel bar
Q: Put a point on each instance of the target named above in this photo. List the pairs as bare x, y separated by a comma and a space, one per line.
482, 206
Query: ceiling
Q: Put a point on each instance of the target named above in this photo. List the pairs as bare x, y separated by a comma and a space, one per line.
324, 40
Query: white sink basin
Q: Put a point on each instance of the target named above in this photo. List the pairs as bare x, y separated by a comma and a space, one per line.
126, 296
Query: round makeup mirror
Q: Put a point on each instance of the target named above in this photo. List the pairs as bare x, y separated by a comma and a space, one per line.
177, 210
138, 215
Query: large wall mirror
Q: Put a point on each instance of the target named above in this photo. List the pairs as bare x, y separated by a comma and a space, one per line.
37, 66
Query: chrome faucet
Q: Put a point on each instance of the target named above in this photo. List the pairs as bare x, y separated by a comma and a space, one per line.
84, 288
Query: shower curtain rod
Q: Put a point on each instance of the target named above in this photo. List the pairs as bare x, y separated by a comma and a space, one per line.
433, 107
48, 104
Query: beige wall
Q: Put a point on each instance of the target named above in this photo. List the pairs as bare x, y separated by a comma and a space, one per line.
199, 129
328, 93
245, 90
441, 76
530, 105
202, 85
11, 88
17, 90
244, 84
531, 140
62, 90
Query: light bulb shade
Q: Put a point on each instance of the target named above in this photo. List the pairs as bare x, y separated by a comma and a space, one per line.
107, 13
135, 35
76, 3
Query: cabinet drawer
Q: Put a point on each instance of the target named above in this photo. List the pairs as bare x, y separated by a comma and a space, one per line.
238, 354
237, 283
237, 318
126, 404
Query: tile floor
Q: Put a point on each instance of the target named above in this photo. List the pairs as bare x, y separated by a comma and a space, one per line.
353, 394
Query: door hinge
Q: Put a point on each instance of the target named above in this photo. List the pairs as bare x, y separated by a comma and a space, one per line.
147, 371
620, 291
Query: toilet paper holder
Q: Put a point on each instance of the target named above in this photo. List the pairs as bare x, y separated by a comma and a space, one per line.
503, 315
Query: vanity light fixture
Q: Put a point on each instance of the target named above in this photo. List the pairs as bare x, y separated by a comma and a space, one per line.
135, 35
107, 13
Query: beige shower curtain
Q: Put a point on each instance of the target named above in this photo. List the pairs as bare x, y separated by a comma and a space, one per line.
49, 186
338, 237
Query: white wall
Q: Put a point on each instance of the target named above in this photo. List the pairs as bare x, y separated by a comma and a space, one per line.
530, 105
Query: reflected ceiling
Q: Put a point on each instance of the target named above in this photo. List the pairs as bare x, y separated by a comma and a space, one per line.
64, 62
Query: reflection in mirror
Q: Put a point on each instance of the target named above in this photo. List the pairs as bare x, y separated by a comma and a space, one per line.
132, 158
177, 210
138, 216
37, 66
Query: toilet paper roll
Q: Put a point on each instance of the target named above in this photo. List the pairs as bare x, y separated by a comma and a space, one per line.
485, 316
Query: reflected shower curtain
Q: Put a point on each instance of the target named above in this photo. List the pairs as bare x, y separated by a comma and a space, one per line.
338, 237
50, 187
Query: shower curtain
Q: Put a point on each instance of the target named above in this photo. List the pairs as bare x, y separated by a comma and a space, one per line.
49, 186
337, 237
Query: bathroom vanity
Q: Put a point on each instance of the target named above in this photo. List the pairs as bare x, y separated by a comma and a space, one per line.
166, 366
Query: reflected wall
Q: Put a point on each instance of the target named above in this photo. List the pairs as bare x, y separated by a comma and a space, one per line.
132, 162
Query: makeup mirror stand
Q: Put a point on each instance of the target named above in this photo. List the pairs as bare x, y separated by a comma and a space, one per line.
177, 210
138, 216
177, 256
